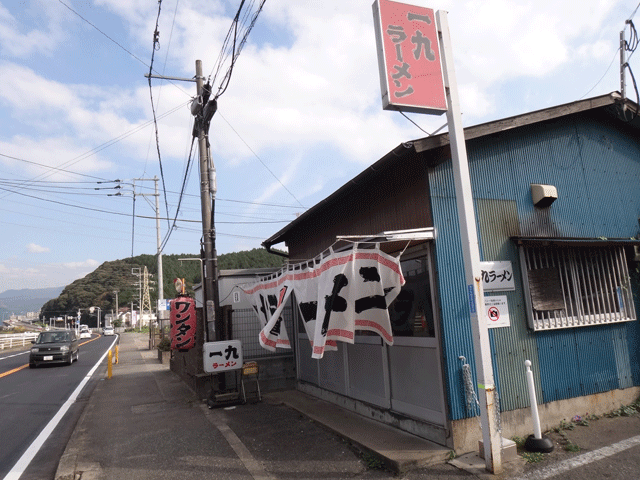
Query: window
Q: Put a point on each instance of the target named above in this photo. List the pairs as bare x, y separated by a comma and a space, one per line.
411, 312
575, 286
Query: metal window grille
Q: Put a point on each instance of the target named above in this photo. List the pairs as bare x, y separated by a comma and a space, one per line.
576, 286
246, 328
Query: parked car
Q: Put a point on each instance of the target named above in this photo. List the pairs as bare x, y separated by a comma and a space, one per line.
54, 346
85, 332
108, 331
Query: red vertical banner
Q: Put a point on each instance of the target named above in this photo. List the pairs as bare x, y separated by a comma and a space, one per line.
409, 58
183, 323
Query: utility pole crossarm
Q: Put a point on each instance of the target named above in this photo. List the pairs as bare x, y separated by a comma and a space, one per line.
162, 77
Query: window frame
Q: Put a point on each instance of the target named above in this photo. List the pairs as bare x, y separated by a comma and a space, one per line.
594, 280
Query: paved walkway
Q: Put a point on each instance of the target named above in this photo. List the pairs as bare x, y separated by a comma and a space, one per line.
145, 423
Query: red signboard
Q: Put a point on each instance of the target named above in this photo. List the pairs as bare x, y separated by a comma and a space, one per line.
409, 58
183, 323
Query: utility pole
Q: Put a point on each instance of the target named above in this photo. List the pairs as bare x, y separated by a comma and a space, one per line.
207, 198
203, 110
116, 292
623, 65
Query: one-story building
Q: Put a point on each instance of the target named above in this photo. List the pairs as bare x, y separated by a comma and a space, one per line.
557, 201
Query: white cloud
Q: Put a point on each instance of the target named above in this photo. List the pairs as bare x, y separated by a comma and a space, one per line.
34, 248
16, 43
81, 265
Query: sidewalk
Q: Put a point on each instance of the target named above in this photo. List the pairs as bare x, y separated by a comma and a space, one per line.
145, 423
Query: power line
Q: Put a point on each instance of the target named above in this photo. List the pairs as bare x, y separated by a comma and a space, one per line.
156, 46
184, 182
88, 153
634, 12
134, 56
260, 160
236, 47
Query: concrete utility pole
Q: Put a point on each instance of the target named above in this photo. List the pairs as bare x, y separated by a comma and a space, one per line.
207, 198
471, 253
203, 110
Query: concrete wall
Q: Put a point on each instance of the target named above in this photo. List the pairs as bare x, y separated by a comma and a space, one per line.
466, 432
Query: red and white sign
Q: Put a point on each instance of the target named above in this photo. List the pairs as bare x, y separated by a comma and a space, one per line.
409, 58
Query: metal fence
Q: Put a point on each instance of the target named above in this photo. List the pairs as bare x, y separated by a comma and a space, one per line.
246, 328
11, 340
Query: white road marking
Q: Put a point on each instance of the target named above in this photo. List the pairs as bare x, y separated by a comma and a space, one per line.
24, 461
14, 355
581, 460
255, 468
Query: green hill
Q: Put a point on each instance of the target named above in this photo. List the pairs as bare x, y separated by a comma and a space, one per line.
98, 288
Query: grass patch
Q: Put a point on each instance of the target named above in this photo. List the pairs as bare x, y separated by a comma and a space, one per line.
533, 457
572, 447
372, 462
519, 441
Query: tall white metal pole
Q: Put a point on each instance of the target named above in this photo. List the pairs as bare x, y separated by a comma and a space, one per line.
471, 253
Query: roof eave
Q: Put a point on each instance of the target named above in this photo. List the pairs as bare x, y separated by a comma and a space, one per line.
441, 140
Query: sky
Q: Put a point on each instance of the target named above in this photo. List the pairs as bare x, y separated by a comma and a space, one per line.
301, 115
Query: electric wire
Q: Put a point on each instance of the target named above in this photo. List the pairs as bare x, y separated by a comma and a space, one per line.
615, 55
634, 12
87, 154
156, 46
115, 42
260, 160
235, 52
103, 33
237, 46
184, 182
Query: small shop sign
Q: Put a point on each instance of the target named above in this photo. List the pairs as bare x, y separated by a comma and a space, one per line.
497, 276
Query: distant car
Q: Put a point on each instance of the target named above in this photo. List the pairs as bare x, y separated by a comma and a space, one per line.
85, 333
54, 346
109, 331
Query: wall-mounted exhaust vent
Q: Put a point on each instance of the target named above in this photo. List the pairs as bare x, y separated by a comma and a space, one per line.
543, 195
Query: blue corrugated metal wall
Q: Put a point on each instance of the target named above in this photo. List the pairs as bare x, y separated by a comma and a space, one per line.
596, 170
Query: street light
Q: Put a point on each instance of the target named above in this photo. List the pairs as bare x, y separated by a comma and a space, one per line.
91, 309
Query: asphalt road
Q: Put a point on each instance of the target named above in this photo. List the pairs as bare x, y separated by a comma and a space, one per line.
30, 398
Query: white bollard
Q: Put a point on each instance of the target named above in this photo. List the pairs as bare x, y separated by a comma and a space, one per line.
537, 433
535, 442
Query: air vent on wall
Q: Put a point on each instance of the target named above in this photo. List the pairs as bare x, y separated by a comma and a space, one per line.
543, 195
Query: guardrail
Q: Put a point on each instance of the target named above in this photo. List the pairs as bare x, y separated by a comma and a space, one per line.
11, 340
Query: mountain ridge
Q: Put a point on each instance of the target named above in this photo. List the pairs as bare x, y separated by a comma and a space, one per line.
20, 301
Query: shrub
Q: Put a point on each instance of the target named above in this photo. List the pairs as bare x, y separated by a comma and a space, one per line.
164, 345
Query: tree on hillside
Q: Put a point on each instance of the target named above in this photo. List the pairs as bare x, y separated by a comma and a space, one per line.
97, 288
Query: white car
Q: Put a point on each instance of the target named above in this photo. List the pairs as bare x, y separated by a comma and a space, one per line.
108, 331
85, 333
